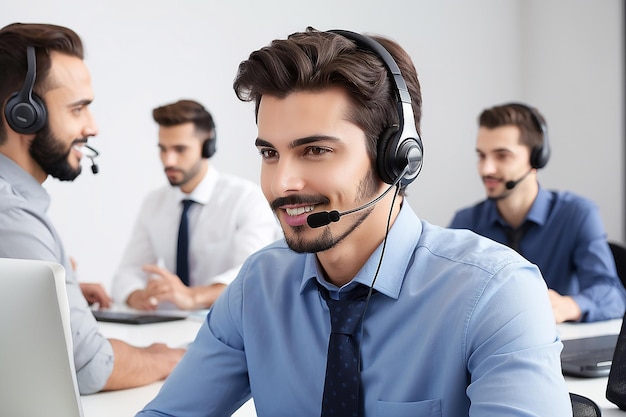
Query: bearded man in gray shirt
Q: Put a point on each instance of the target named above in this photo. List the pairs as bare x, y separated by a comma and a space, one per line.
45, 91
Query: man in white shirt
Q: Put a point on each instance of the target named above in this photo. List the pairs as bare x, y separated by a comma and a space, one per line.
228, 220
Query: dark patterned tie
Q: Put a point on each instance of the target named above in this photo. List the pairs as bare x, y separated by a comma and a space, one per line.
342, 384
182, 250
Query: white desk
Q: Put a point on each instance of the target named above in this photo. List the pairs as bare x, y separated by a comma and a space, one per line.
126, 403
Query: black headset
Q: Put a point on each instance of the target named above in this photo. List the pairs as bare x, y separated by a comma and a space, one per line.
208, 147
25, 111
540, 154
400, 149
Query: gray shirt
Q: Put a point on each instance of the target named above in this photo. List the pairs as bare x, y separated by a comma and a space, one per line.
26, 232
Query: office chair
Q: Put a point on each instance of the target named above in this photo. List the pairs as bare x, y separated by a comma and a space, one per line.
584, 407
616, 385
619, 254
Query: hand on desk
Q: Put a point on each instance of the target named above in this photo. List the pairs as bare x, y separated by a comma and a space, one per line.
166, 286
95, 293
564, 307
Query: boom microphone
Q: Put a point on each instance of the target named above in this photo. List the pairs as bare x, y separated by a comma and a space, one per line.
91, 154
324, 218
512, 184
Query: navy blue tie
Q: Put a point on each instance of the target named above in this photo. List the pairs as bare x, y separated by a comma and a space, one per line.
182, 250
343, 380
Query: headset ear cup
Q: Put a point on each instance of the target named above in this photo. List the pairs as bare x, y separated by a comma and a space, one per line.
208, 147
385, 157
25, 117
25, 112
535, 157
539, 156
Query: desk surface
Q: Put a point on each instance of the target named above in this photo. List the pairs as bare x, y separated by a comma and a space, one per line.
127, 403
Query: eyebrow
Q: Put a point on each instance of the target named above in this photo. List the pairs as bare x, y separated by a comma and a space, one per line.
299, 142
498, 150
84, 102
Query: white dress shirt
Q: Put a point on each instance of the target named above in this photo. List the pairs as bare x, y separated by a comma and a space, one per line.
230, 220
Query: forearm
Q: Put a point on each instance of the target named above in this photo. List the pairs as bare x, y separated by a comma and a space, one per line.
205, 296
134, 367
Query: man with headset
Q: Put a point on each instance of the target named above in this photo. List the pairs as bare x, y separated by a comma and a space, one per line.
560, 232
228, 220
363, 309
45, 91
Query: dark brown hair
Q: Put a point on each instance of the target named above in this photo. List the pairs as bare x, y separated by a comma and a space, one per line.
45, 38
185, 111
314, 61
516, 114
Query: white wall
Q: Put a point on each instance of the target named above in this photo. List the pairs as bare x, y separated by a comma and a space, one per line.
565, 56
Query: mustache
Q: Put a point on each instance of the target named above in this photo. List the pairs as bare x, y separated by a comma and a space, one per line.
79, 140
298, 199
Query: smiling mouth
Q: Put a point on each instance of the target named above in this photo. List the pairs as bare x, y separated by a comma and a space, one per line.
491, 180
299, 210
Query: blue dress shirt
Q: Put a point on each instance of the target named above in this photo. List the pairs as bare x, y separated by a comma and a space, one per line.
566, 239
450, 331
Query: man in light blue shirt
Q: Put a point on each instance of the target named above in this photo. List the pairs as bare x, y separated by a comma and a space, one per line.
448, 329
562, 233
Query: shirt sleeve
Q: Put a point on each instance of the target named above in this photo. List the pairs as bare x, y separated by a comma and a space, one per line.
601, 296
197, 385
509, 340
129, 276
27, 236
256, 225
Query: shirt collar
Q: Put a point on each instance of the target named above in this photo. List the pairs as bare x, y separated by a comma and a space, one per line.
538, 212
541, 207
203, 191
24, 183
401, 243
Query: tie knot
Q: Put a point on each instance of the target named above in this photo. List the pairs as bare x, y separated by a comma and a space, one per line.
187, 204
346, 313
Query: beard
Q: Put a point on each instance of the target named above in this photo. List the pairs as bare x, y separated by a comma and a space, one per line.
49, 152
500, 196
297, 241
187, 175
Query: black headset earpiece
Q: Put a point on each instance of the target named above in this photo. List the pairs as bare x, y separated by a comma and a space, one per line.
400, 149
539, 155
208, 147
25, 112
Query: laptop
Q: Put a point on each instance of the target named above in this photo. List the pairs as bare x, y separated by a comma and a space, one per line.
588, 356
131, 317
37, 376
